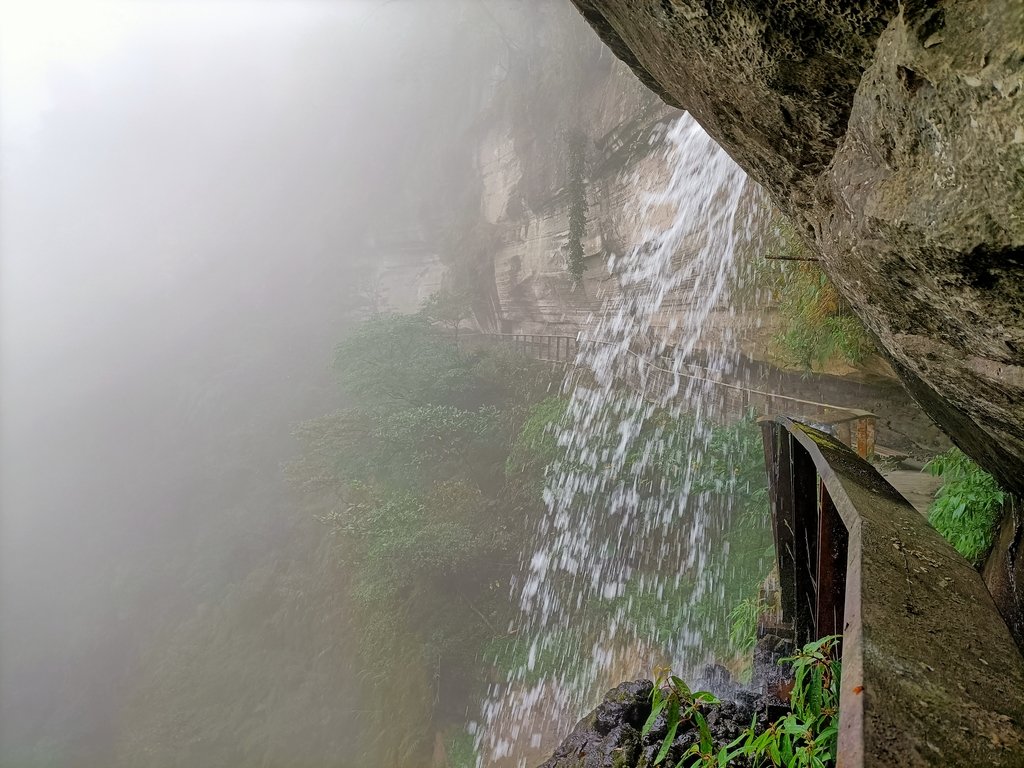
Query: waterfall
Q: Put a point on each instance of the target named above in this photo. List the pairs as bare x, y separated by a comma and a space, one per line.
626, 564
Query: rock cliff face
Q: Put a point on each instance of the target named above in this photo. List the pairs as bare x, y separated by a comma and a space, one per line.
525, 198
560, 85
489, 195
893, 133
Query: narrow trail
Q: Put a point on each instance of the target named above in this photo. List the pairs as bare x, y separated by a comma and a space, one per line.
900, 426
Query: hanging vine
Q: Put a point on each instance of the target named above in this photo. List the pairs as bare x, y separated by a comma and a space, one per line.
577, 206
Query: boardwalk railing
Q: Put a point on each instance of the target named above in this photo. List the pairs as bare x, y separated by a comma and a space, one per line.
854, 427
931, 675
549, 348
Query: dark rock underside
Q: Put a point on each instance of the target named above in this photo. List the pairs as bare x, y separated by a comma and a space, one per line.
893, 134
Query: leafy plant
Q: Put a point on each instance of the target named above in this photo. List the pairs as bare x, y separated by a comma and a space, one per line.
967, 506
673, 697
743, 618
806, 737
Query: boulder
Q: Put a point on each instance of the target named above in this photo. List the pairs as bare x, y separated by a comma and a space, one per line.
609, 737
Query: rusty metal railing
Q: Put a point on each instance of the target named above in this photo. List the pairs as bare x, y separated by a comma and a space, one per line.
931, 675
545, 347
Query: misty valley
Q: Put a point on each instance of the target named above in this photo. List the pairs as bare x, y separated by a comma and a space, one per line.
490, 384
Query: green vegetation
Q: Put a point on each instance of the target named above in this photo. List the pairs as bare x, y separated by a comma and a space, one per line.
819, 326
577, 205
429, 480
536, 446
559, 656
721, 469
967, 507
461, 750
411, 478
448, 307
672, 696
806, 737
743, 628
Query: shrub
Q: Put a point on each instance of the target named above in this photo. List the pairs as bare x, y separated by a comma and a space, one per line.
806, 737
820, 326
967, 506
743, 628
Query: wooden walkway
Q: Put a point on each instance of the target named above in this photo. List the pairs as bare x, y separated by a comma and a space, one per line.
656, 380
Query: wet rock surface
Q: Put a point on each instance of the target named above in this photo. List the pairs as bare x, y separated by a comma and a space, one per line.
892, 134
609, 737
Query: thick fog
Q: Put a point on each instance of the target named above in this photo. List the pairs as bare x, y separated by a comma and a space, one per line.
249, 519
189, 191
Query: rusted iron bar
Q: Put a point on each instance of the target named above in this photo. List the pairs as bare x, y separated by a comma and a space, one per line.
833, 545
805, 515
931, 674
779, 465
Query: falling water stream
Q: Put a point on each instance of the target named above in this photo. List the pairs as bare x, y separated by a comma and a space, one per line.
629, 564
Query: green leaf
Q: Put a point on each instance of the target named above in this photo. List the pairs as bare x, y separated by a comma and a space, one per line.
779, 750
706, 743
794, 725
815, 692
683, 688
667, 744
655, 711
797, 696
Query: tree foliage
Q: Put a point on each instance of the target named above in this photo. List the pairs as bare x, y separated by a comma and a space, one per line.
448, 307
410, 477
399, 359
